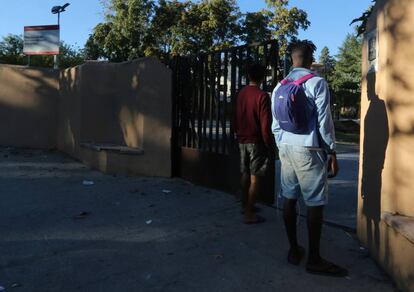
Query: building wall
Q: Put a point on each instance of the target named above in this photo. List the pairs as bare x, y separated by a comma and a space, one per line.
387, 141
28, 103
125, 104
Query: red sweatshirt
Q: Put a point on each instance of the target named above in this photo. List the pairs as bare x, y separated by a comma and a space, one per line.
253, 116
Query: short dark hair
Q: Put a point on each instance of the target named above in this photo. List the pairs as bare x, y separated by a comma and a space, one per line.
304, 48
256, 72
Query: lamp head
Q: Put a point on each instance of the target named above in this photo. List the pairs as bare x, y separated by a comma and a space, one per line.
59, 9
56, 9
64, 6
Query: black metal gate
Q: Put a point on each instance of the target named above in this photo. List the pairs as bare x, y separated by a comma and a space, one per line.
205, 87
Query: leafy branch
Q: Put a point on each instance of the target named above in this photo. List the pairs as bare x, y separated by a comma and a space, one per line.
363, 19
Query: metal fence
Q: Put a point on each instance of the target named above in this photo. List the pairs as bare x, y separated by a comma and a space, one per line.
205, 90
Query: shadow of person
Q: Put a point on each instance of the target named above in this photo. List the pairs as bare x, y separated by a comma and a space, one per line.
376, 134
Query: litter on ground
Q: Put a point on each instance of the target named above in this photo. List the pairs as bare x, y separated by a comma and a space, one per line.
88, 183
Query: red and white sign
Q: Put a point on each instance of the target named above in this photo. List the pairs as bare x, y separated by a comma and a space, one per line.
41, 40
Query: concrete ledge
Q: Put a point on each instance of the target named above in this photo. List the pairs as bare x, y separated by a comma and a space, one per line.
114, 148
402, 224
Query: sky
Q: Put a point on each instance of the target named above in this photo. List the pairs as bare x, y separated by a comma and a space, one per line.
329, 18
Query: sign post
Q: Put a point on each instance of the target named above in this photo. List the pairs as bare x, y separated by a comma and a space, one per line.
41, 40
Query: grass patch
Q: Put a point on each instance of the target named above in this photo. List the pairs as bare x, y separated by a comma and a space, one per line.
347, 137
347, 131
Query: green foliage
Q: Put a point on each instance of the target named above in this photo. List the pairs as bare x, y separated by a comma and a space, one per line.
255, 27
207, 25
165, 28
346, 81
329, 63
164, 38
135, 28
70, 56
363, 19
96, 46
122, 36
11, 52
285, 22
327, 60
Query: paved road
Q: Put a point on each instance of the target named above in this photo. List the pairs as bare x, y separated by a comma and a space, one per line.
143, 234
343, 190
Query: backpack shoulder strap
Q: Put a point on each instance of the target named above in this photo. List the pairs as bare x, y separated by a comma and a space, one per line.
303, 79
286, 81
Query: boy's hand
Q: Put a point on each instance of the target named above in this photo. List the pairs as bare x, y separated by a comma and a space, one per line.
333, 167
271, 150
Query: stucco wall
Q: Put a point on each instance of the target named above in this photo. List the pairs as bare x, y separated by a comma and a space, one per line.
127, 104
69, 112
28, 103
387, 140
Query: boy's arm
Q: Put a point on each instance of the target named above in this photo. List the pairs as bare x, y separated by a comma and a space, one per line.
326, 126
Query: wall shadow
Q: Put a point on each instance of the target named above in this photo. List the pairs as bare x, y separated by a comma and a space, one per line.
376, 134
28, 101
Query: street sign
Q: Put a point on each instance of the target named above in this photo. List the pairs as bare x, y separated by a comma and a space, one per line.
41, 40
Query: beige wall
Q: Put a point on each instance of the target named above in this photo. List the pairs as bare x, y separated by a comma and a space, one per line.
69, 112
387, 141
124, 104
28, 103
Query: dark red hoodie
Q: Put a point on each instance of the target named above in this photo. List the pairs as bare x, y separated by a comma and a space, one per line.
253, 116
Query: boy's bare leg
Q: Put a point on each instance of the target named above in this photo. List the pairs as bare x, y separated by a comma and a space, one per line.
316, 264
254, 188
314, 222
289, 217
245, 185
296, 252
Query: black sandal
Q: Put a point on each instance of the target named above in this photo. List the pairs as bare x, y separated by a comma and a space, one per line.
296, 256
259, 219
326, 268
255, 210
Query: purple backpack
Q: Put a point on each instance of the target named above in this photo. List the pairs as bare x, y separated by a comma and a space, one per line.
290, 105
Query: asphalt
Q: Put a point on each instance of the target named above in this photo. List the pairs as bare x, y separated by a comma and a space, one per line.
148, 234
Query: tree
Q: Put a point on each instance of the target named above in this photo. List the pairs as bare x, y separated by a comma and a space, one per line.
97, 46
163, 38
285, 22
329, 63
122, 36
11, 52
223, 22
255, 27
347, 77
70, 56
205, 26
165, 28
326, 59
168, 28
363, 19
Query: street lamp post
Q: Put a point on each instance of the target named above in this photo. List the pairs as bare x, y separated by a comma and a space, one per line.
58, 10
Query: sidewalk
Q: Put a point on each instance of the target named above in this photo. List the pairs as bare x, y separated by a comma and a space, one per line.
140, 234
